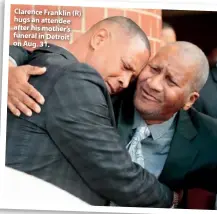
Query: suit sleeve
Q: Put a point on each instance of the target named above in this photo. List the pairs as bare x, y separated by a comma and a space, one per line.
78, 121
19, 54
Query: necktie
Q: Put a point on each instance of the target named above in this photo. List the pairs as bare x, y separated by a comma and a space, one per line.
135, 147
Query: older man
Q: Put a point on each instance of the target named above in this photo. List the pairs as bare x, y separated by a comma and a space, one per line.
161, 130
73, 142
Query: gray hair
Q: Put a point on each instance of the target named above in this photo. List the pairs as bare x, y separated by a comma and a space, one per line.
195, 57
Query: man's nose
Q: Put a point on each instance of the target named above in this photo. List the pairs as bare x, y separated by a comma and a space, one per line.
125, 79
155, 83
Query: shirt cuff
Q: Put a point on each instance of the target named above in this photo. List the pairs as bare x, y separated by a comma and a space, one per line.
13, 61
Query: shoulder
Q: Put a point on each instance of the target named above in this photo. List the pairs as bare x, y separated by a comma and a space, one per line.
66, 75
81, 72
79, 91
80, 81
59, 60
51, 55
203, 123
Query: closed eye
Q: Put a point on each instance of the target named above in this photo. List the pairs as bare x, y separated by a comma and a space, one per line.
171, 82
128, 67
155, 69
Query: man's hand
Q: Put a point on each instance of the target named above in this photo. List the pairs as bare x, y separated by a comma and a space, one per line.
23, 97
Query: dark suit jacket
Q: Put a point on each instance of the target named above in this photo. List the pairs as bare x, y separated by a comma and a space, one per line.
73, 142
192, 159
207, 102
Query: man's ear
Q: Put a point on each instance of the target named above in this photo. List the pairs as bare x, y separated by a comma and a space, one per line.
191, 100
99, 38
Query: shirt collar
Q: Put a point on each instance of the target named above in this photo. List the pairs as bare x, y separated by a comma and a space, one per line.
157, 130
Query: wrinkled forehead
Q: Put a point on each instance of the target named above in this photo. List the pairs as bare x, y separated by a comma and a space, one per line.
173, 61
168, 56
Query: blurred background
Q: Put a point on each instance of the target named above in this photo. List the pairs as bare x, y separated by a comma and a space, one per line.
197, 27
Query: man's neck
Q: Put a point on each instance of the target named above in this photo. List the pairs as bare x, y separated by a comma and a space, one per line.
152, 122
78, 50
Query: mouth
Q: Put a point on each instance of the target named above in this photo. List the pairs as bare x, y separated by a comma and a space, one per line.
148, 96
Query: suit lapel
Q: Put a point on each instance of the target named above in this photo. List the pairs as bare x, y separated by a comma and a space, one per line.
182, 151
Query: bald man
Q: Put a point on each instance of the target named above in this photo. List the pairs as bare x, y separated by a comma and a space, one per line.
168, 34
73, 143
161, 130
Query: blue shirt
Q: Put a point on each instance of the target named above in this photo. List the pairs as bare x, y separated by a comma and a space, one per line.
156, 147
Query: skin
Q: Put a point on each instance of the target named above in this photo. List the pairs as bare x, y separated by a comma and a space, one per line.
164, 86
117, 57
168, 35
22, 96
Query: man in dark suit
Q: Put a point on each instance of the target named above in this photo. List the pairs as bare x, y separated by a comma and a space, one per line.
165, 91
73, 142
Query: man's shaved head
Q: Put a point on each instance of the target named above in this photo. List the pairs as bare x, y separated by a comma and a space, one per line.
117, 48
126, 25
195, 58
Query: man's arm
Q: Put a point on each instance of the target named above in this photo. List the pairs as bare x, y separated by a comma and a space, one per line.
79, 123
22, 97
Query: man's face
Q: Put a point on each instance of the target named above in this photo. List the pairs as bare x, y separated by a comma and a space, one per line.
120, 60
163, 87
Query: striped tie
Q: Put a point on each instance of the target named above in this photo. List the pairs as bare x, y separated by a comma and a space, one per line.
135, 147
